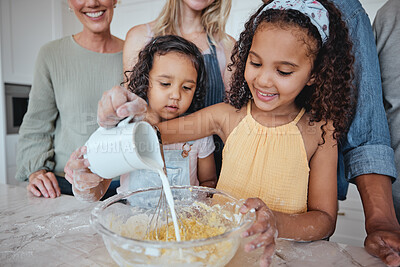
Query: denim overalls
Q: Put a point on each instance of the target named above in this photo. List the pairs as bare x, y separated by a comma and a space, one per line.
215, 94
178, 172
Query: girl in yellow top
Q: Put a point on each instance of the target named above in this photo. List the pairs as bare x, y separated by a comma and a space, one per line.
290, 103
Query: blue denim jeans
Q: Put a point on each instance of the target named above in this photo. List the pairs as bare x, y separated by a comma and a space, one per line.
367, 146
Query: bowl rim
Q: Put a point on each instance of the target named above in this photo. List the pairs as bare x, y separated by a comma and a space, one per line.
245, 221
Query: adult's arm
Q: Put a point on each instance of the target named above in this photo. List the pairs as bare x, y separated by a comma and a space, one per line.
383, 231
35, 144
386, 27
368, 157
367, 148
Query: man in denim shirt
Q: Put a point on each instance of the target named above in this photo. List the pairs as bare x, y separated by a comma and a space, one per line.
368, 158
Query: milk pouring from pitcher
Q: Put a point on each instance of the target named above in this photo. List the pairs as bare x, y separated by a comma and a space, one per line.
129, 146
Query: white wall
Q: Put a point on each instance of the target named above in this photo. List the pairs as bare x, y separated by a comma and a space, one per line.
29, 27
240, 13
129, 13
371, 6
133, 12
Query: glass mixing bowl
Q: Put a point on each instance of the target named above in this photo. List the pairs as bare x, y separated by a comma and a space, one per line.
123, 220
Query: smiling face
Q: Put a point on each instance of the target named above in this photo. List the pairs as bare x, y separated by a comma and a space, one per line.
278, 67
172, 84
95, 15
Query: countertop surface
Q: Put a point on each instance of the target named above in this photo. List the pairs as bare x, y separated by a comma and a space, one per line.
57, 232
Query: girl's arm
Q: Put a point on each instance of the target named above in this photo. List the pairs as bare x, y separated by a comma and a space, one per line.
206, 171
217, 119
320, 219
35, 154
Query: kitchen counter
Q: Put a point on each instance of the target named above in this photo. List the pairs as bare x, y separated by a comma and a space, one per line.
56, 232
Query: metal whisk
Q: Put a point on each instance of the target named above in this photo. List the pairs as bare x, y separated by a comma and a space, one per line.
159, 225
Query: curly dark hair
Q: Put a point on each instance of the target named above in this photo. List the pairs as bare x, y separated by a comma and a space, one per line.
333, 95
138, 77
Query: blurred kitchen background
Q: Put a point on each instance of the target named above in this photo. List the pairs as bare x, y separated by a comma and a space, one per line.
28, 24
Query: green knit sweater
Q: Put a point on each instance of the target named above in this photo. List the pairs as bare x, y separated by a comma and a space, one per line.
69, 81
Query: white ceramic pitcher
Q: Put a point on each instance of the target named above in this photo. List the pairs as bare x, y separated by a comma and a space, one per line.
115, 151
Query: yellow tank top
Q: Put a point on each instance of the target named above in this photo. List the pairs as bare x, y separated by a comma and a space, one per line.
266, 162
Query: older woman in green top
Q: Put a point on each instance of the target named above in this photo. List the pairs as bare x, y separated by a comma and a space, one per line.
70, 77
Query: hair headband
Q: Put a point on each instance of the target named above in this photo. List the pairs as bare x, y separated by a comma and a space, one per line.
313, 9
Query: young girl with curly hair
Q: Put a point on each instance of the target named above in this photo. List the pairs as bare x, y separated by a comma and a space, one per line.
291, 101
171, 77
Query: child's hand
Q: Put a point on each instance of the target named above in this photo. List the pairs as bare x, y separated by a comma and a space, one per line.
117, 104
265, 226
77, 171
